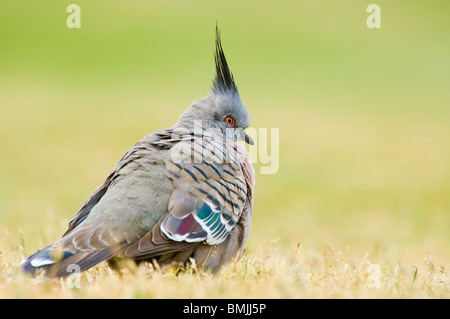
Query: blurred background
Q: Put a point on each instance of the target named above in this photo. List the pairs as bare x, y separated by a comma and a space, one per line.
363, 114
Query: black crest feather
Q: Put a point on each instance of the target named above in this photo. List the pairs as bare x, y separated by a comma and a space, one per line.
224, 81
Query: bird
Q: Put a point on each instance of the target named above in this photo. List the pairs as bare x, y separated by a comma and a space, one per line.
180, 195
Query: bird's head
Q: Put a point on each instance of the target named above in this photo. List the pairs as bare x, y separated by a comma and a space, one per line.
222, 110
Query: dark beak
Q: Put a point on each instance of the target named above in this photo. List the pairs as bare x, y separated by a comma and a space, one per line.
248, 139
240, 135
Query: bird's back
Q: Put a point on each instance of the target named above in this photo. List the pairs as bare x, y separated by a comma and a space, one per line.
122, 218
180, 194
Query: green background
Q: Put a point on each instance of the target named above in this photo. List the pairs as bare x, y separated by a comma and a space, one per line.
363, 114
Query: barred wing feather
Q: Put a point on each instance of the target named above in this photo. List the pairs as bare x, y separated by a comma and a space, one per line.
209, 191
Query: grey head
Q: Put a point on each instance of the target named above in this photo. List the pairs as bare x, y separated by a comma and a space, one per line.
222, 110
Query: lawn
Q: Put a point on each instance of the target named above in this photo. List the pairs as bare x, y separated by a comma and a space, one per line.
359, 206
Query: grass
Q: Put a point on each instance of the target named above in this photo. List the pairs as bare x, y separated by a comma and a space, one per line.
266, 272
359, 206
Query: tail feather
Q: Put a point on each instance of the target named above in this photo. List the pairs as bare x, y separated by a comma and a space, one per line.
77, 251
63, 263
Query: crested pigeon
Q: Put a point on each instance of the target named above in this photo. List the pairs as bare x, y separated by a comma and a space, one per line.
180, 195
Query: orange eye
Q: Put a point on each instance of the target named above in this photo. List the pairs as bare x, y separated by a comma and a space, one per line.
230, 121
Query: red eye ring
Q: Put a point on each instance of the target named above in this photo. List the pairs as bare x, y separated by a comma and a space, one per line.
230, 121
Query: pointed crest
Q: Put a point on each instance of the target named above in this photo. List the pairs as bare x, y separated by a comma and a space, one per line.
224, 81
